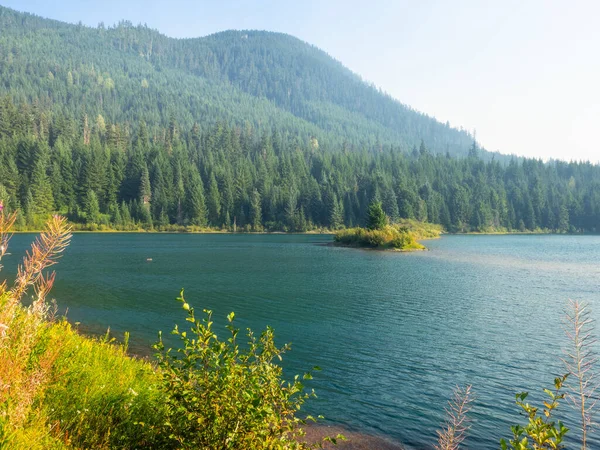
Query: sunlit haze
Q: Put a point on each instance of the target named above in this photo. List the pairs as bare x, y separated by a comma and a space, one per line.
523, 74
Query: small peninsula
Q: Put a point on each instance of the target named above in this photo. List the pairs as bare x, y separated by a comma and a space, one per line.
380, 234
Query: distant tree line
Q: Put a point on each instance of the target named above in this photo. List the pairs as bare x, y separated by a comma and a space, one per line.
123, 176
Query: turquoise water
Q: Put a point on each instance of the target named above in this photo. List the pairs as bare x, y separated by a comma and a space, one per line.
393, 333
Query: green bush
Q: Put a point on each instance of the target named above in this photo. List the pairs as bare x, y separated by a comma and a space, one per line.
541, 431
218, 395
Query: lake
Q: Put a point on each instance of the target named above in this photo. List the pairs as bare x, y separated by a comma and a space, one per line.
392, 332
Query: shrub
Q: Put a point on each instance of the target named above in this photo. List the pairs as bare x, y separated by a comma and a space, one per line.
541, 431
218, 395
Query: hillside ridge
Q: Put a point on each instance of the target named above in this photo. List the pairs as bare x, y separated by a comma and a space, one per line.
268, 79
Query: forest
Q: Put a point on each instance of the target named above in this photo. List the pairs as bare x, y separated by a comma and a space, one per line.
131, 73
115, 175
121, 127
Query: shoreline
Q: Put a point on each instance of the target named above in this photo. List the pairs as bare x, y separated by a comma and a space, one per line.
309, 233
378, 249
355, 439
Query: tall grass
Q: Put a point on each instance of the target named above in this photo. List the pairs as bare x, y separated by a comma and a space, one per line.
26, 359
454, 430
580, 361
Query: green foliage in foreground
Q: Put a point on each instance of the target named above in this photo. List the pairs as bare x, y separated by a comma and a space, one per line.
98, 397
208, 394
389, 237
220, 396
541, 432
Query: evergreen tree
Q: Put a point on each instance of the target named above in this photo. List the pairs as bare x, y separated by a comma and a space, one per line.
376, 218
92, 208
255, 211
4, 200
145, 195
179, 194
126, 215
214, 201
274, 180
197, 207
337, 215
390, 205
29, 208
143, 214
42, 203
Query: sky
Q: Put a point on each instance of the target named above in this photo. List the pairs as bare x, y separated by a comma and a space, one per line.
523, 75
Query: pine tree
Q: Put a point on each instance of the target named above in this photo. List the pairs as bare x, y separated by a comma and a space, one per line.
163, 219
29, 208
115, 215
214, 201
4, 199
336, 220
145, 195
41, 192
390, 205
144, 215
126, 215
376, 218
290, 211
563, 219
227, 198
100, 125
179, 192
255, 211
92, 208
197, 204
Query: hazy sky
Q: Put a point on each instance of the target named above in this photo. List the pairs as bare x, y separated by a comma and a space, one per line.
524, 74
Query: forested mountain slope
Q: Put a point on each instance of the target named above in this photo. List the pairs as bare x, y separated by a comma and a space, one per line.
118, 175
123, 127
268, 80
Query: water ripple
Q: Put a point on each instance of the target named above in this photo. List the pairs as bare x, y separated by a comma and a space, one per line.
394, 333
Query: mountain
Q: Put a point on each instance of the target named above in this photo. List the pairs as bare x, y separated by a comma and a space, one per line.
243, 130
267, 80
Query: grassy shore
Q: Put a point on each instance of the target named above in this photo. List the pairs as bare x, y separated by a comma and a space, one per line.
80, 228
421, 230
